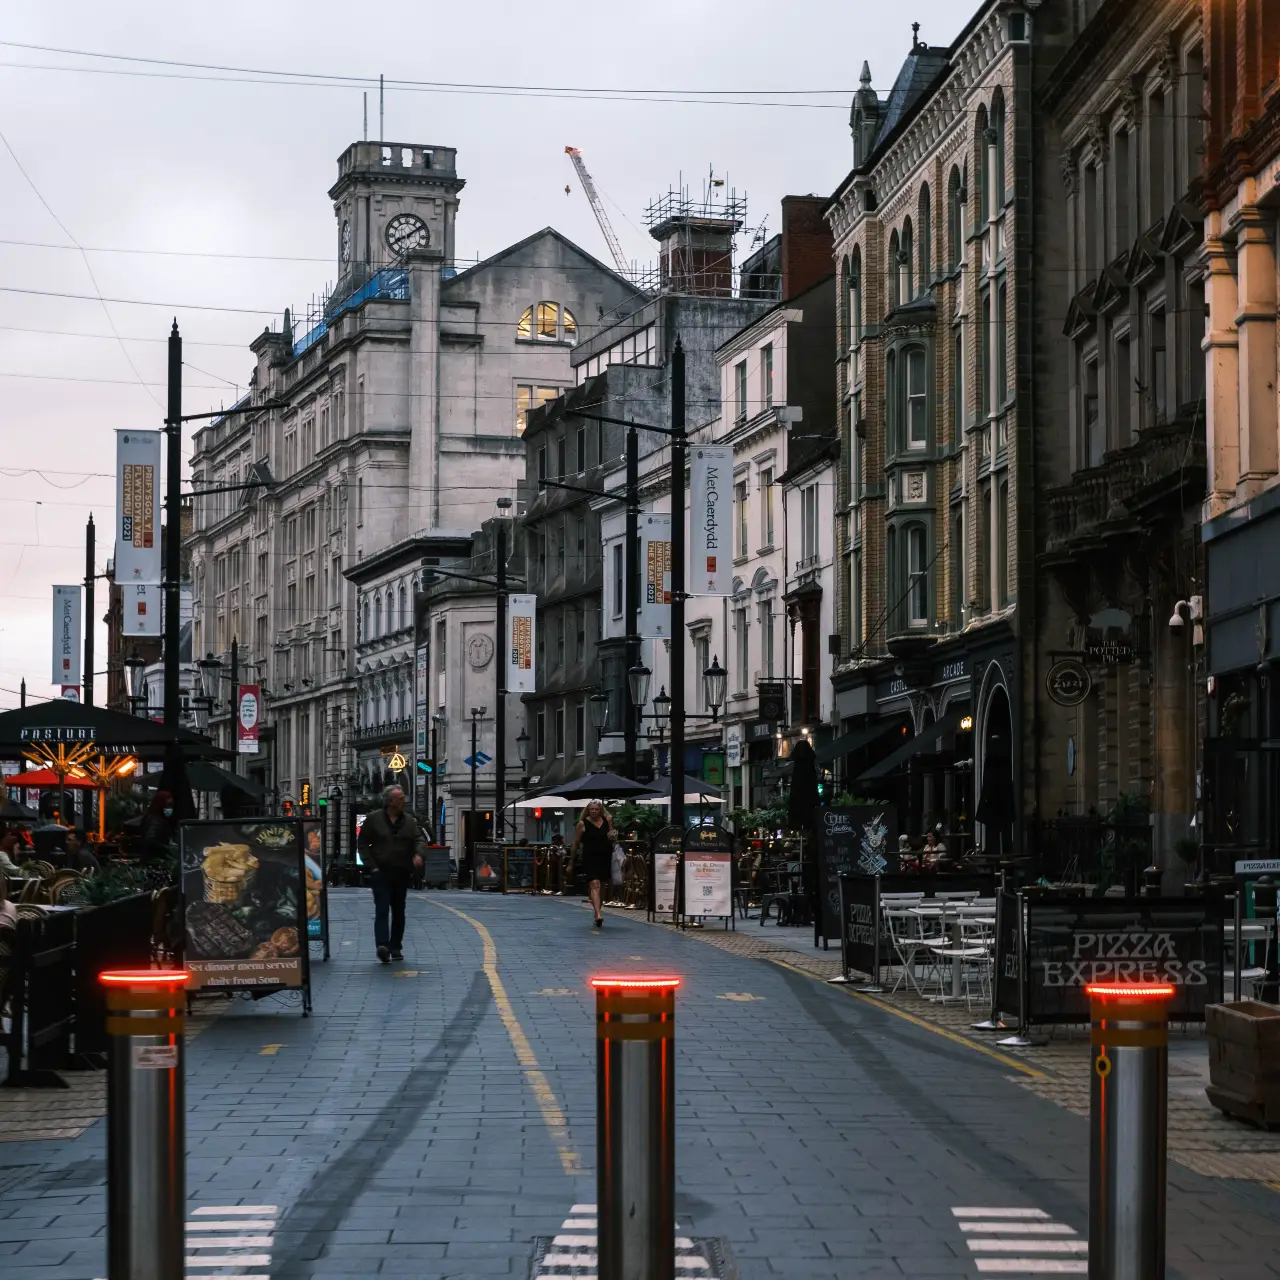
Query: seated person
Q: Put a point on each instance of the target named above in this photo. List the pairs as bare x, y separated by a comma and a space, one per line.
11, 848
78, 856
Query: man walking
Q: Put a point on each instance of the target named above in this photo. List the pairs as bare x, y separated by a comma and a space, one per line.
393, 844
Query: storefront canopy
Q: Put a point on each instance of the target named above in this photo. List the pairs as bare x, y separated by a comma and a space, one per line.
202, 776
855, 741
110, 733
926, 740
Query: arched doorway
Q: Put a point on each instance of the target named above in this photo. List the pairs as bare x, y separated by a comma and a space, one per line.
996, 799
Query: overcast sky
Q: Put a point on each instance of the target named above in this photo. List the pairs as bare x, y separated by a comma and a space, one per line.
173, 165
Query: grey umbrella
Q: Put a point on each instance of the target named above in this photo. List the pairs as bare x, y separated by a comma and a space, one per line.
600, 786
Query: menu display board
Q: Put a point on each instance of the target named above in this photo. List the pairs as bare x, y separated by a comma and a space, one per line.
666, 864
853, 839
708, 873
315, 873
245, 908
487, 864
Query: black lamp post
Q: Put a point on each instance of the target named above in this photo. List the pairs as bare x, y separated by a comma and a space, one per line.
134, 666
714, 680
638, 682
599, 703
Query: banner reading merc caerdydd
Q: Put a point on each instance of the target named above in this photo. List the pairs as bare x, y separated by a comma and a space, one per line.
710, 520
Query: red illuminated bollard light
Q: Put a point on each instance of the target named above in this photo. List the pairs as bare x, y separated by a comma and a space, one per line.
146, 1123
635, 1126
1128, 1121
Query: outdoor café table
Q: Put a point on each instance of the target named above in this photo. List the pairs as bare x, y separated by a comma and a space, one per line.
951, 916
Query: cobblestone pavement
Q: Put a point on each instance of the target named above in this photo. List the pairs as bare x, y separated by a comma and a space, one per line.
436, 1119
1200, 1136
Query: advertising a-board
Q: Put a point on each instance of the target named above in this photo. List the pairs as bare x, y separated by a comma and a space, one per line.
708, 873
246, 903
666, 864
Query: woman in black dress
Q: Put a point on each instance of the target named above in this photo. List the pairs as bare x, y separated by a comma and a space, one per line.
595, 838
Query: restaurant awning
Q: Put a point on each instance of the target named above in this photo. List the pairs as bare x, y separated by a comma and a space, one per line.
108, 732
203, 776
923, 741
855, 741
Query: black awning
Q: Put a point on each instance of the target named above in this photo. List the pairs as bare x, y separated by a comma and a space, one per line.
921, 742
109, 732
854, 741
203, 776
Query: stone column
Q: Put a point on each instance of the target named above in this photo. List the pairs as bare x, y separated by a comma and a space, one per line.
1222, 370
1256, 324
423, 506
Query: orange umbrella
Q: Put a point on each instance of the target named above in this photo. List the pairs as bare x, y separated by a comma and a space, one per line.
46, 778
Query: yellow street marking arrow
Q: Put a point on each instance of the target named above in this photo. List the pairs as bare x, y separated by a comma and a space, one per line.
271, 1050
740, 996
555, 991
407, 973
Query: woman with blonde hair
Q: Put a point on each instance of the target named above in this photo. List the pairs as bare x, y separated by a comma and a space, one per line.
595, 836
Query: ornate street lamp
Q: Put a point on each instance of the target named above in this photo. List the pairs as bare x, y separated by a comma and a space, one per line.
210, 671
714, 679
599, 711
638, 683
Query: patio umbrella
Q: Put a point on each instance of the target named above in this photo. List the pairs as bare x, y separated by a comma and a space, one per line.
601, 786
47, 778
542, 802
802, 804
695, 792
12, 811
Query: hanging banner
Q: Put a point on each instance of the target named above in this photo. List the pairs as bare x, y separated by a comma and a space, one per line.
710, 521
66, 636
248, 714
142, 609
521, 615
138, 507
655, 575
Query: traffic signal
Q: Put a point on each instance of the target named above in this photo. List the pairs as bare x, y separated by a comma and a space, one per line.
323, 801
424, 766
537, 813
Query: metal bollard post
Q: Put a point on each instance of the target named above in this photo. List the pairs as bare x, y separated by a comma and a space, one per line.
1128, 1127
146, 1124
636, 1127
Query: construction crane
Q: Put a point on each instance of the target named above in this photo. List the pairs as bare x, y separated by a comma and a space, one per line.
597, 207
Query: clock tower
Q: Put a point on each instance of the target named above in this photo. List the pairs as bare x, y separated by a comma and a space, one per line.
392, 199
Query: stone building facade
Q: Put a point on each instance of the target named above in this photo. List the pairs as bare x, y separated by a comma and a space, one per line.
936, 242
1120, 442
398, 411
1241, 530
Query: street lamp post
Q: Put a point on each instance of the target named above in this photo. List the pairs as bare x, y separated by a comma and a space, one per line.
437, 833
476, 713
678, 638
503, 658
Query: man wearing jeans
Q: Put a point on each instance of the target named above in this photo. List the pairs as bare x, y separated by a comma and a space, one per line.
392, 843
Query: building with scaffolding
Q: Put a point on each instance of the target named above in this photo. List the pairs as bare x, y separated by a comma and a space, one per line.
394, 419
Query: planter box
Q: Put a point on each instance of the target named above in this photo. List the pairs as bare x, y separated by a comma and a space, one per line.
1244, 1060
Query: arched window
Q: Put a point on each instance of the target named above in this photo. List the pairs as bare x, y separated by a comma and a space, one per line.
955, 220
996, 139
983, 206
855, 294
846, 289
905, 255
367, 632
925, 273
895, 294
402, 620
891, 399
554, 323
377, 615
917, 399
917, 584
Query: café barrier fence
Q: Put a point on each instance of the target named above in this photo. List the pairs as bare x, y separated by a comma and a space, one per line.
58, 1013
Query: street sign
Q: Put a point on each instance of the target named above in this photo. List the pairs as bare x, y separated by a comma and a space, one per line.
480, 759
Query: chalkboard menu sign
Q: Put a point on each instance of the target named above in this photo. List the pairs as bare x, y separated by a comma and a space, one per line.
519, 871
486, 862
861, 924
1075, 941
1008, 923
859, 838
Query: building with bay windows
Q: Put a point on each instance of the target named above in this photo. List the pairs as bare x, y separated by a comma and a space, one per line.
935, 245
1120, 461
396, 411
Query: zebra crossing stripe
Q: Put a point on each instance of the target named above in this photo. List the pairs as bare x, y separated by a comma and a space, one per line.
1031, 1235
574, 1250
223, 1241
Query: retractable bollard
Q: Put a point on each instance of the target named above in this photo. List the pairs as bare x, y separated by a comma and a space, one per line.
146, 1124
1128, 1121
636, 1127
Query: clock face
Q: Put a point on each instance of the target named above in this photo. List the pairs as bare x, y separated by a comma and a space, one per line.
406, 232
346, 242
479, 651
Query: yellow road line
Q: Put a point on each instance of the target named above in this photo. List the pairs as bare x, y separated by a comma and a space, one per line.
921, 1022
270, 1050
544, 1095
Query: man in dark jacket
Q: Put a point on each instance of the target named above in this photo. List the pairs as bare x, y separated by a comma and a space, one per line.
392, 843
